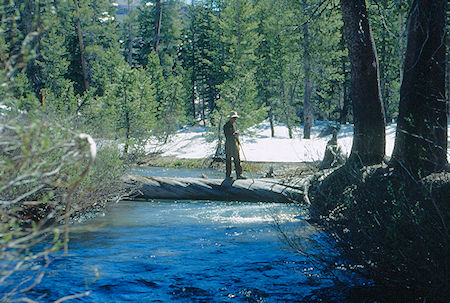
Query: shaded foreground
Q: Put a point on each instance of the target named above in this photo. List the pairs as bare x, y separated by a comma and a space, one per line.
394, 226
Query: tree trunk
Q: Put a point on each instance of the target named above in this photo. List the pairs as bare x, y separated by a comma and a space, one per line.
130, 35
203, 113
345, 100
81, 43
421, 138
127, 132
383, 73
286, 104
369, 139
307, 108
158, 17
193, 94
401, 49
193, 63
272, 129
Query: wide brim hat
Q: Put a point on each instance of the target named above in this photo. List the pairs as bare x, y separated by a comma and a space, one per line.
233, 115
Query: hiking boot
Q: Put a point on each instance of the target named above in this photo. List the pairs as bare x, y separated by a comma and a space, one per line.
241, 178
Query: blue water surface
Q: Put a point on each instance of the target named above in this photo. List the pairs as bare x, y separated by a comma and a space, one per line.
186, 251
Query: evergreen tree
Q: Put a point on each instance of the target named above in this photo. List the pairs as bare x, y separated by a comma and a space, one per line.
269, 56
129, 33
98, 33
239, 26
130, 107
203, 55
56, 90
170, 17
170, 97
24, 94
330, 58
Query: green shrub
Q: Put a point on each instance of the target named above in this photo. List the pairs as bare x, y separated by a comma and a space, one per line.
47, 177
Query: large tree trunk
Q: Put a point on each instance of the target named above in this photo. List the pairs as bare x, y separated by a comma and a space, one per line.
401, 49
81, 44
369, 135
307, 108
421, 138
383, 74
345, 101
345, 105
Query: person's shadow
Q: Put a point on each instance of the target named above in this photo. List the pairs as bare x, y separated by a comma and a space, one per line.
227, 182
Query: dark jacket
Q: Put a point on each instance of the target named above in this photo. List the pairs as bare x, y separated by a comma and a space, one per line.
231, 140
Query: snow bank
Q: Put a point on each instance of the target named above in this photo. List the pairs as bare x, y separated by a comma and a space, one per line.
258, 145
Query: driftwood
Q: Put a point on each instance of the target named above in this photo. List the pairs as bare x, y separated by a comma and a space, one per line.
263, 190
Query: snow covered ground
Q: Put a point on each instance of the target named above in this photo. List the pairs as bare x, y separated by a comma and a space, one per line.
258, 145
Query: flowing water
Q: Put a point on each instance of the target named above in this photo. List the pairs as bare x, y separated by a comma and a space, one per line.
191, 251
187, 251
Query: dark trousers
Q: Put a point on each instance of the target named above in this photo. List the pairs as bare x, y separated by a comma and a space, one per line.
233, 153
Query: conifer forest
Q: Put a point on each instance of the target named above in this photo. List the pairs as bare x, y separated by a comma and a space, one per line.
78, 78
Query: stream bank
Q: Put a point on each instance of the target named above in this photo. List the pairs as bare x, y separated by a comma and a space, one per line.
392, 225
280, 169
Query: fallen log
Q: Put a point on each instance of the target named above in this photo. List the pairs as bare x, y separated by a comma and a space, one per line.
263, 190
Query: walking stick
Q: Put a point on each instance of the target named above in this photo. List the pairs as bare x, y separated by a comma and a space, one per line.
245, 158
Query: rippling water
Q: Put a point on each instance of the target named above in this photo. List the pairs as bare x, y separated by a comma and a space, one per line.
186, 252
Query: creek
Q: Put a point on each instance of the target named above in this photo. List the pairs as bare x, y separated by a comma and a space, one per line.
191, 251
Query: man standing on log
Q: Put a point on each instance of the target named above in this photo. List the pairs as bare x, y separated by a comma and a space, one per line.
232, 146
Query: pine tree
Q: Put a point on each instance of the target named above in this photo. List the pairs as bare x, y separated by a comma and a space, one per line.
269, 54
203, 55
129, 33
169, 38
98, 33
170, 97
239, 26
56, 90
130, 107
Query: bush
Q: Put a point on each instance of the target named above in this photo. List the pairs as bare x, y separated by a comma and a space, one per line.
392, 226
47, 177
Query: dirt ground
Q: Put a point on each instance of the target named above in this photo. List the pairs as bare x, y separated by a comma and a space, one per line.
273, 169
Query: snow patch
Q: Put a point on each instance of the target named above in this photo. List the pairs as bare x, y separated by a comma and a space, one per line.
191, 143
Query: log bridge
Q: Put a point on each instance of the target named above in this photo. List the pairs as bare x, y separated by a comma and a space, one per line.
257, 190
